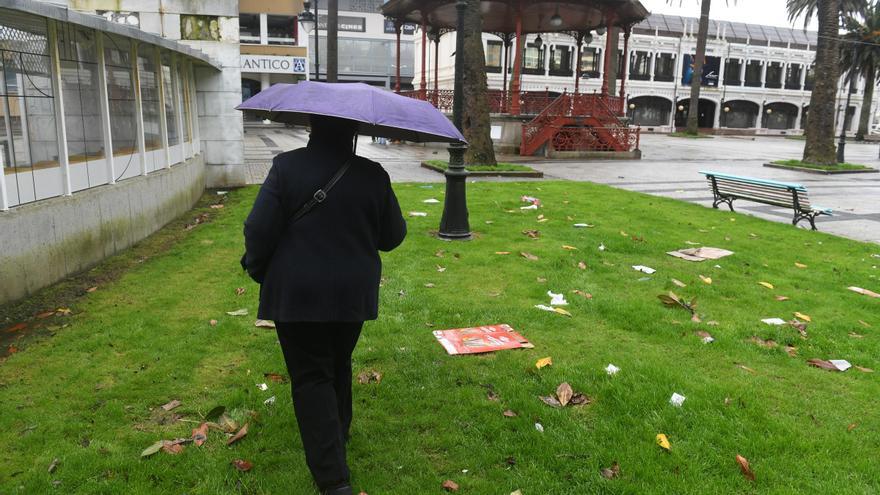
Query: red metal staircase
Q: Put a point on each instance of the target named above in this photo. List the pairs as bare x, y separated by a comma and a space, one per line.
583, 122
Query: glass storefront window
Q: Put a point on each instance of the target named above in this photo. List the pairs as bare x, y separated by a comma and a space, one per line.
249, 28
281, 29
640, 66
494, 51
78, 53
590, 62
170, 107
560, 60
793, 76
28, 127
774, 75
732, 69
664, 67
753, 73
186, 90
123, 118
149, 85
533, 60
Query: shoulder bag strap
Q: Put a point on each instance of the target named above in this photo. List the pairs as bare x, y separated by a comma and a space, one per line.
321, 194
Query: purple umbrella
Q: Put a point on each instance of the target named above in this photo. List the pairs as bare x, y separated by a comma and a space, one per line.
379, 112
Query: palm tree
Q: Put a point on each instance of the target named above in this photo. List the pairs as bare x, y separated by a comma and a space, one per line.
476, 125
819, 148
860, 56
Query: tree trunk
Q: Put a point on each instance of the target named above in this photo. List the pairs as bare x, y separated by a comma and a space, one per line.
867, 101
332, 40
476, 126
697, 77
819, 148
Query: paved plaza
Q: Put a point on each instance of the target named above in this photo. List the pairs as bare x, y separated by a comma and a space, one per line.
668, 168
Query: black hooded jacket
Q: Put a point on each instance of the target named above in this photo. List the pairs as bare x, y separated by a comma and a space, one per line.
326, 266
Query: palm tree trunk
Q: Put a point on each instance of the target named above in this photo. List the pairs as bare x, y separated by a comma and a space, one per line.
819, 148
332, 40
697, 77
867, 101
476, 125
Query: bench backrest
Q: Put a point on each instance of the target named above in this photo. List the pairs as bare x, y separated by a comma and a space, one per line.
784, 194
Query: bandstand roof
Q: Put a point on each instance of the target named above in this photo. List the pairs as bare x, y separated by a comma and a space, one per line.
499, 16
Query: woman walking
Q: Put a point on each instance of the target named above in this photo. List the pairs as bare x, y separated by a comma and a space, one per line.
319, 271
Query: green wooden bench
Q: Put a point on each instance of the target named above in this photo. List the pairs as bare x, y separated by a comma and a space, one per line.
726, 188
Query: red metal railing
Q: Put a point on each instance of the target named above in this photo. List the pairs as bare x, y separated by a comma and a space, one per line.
595, 138
531, 102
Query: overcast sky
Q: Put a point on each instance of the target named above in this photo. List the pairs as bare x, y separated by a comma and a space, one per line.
767, 12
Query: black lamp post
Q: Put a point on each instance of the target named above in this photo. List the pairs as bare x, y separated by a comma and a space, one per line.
309, 22
841, 145
454, 224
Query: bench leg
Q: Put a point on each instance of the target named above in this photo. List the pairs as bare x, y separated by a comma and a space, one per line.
811, 217
720, 199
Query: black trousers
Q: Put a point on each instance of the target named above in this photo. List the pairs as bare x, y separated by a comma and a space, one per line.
318, 357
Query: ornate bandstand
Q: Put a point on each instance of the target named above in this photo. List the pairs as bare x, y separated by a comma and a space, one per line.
570, 122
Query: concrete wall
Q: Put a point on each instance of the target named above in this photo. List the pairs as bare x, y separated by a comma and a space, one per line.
46, 241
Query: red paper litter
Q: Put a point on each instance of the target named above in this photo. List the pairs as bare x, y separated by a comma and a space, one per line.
481, 339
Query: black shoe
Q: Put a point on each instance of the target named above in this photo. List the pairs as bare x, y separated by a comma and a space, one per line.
339, 490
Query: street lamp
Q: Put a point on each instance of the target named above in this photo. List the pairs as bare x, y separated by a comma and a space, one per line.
454, 224
556, 20
309, 22
538, 42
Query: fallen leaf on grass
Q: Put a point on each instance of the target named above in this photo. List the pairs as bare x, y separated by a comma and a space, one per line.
800, 326
529, 256
802, 316
706, 280
550, 401
242, 465
238, 312
226, 424
172, 448
213, 323
63, 311
864, 292
275, 377
823, 364
502, 253
856, 335
746, 368
217, 207
509, 414
744, 467
264, 324
582, 265
864, 324
533, 234
11, 349
767, 344
852, 426
781, 298
671, 299
369, 376
612, 472
54, 465
450, 486
429, 285
91, 289
564, 393
569, 248
864, 370
585, 295
171, 405
441, 269
239, 291
679, 283
662, 441
799, 265
547, 361
791, 350
238, 436
200, 434
767, 285
706, 337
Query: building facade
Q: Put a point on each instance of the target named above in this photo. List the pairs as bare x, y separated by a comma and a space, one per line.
756, 79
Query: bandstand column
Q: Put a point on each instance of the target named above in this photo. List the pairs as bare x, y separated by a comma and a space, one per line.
626, 32
506, 40
577, 70
436, 66
517, 66
607, 61
397, 27
423, 85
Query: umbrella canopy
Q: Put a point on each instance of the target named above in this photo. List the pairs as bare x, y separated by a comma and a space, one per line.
379, 112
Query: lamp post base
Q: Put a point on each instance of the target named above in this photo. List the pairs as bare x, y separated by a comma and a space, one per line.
454, 225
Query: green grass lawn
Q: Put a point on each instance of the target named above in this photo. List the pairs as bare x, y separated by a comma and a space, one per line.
90, 395
839, 166
501, 166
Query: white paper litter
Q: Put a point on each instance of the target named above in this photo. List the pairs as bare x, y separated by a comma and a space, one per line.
431, 201
708, 339
582, 225
774, 321
262, 386
270, 401
222, 193
677, 399
264, 324
530, 199
557, 299
601, 247
611, 369
840, 364
644, 269
417, 214
545, 308
539, 427
530, 207
238, 312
